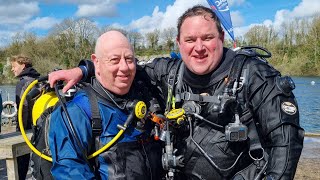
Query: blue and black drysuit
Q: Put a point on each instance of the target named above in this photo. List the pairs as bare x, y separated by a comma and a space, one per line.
131, 158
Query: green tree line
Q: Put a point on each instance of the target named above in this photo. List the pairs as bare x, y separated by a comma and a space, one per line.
295, 49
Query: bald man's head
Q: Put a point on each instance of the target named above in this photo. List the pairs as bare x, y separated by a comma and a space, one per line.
109, 40
114, 62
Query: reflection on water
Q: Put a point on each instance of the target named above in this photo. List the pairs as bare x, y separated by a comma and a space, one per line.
307, 93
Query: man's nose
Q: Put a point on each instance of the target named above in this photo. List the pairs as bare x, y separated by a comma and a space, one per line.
199, 45
123, 64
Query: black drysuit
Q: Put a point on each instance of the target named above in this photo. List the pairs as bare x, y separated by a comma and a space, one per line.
272, 106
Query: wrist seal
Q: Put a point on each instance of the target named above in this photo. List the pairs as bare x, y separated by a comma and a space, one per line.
87, 69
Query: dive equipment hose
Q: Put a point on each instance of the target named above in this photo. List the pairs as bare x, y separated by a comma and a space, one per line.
206, 156
23, 133
139, 114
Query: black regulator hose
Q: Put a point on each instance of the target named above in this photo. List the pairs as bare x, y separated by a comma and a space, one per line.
72, 129
205, 154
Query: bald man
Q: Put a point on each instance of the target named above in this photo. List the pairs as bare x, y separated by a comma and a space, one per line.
134, 155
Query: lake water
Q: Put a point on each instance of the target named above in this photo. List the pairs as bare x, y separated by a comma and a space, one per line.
306, 92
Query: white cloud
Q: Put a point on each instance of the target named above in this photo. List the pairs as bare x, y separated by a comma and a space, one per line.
13, 15
42, 23
240, 31
97, 10
161, 20
237, 19
305, 9
17, 13
267, 23
236, 2
169, 18
5, 37
83, 1
148, 23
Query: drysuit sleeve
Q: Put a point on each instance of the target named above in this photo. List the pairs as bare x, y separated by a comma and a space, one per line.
87, 68
69, 159
160, 71
275, 110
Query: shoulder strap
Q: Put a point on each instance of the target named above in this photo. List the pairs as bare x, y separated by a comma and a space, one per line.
93, 112
235, 73
171, 85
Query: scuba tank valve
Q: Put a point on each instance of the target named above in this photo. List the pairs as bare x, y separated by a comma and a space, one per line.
138, 110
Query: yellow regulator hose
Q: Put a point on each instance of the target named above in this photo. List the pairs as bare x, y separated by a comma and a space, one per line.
23, 133
107, 146
35, 150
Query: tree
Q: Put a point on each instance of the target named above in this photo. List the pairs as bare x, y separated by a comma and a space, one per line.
75, 39
257, 35
153, 38
169, 36
109, 28
313, 45
135, 38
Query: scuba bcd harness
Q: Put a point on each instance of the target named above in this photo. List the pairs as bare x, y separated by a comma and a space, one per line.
234, 132
46, 98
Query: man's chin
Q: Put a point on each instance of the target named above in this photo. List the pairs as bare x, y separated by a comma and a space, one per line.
123, 89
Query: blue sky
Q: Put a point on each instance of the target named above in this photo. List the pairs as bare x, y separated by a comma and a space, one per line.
39, 16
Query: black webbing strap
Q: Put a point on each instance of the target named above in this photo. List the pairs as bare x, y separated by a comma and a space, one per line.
95, 113
187, 96
236, 70
253, 135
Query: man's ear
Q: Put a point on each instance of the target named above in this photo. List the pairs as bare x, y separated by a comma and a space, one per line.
222, 36
24, 66
177, 41
94, 58
95, 61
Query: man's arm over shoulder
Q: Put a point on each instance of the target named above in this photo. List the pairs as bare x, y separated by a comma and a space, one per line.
159, 67
68, 159
276, 111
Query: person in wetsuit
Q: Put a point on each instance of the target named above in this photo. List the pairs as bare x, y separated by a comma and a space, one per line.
265, 103
117, 87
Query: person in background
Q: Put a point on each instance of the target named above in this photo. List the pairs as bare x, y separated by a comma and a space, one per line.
22, 69
1, 107
264, 103
116, 85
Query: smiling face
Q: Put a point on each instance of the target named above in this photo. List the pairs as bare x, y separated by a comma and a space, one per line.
17, 68
200, 44
114, 62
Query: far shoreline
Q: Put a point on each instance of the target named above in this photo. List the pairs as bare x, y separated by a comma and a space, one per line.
317, 135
